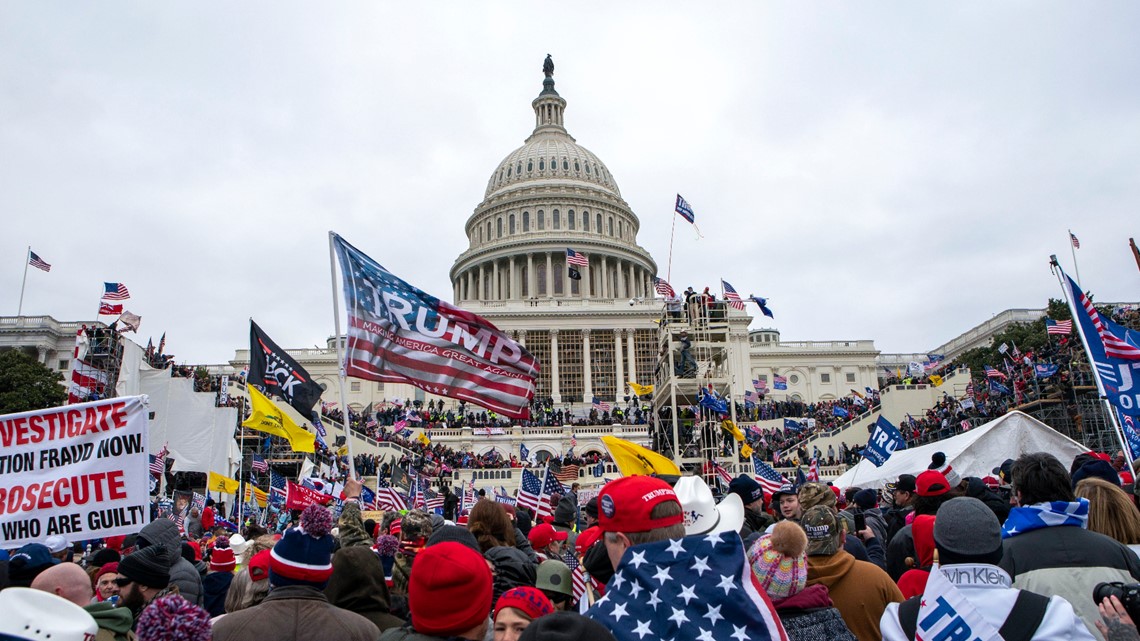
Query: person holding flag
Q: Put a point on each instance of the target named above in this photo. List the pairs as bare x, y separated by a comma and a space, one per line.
967, 589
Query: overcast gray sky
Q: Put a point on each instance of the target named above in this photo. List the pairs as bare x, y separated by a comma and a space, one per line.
886, 170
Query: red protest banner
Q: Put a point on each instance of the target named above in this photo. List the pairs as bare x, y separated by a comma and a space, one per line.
299, 498
79, 471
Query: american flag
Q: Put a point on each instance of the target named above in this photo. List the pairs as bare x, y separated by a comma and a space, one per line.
277, 489
750, 396
731, 296
439, 355
530, 492
109, 309
760, 384
565, 473
367, 498
780, 382
1063, 328
259, 464
813, 470
663, 287
601, 405
970, 390
1114, 346
1076, 243
35, 261
389, 498
696, 587
577, 573
576, 258
766, 476
115, 291
432, 500
995, 373
158, 462
722, 473
685, 209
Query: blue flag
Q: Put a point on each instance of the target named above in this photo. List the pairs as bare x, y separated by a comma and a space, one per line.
1128, 424
599, 469
763, 304
1119, 376
840, 412
792, 424
524, 451
884, 441
1045, 370
713, 403
998, 388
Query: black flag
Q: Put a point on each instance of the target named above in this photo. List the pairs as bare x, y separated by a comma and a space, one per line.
574, 273
273, 369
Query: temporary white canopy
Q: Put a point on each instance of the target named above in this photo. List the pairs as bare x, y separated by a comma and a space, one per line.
198, 434
973, 453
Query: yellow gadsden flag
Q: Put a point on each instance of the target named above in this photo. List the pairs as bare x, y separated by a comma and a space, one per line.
269, 418
221, 484
935, 380
640, 390
731, 428
632, 459
424, 438
261, 497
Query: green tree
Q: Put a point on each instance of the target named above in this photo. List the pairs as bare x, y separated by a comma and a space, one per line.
1026, 336
26, 384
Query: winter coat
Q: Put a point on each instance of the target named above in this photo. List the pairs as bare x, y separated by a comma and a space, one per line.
898, 550
406, 633
811, 616
988, 589
860, 590
164, 532
523, 544
295, 613
913, 581
358, 585
510, 569
1068, 561
998, 504
896, 520
755, 523
114, 623
215, 587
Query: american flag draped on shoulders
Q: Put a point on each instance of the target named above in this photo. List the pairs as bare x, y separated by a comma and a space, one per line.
698, 587
400, 334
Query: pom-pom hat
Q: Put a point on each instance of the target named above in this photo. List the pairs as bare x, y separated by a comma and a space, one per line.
173, 618
779, 560
938, 463
626, 504
304, 555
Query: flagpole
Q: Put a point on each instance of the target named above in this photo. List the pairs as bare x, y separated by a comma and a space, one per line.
340, 360
1092, 365
668, 269
1076, 267
24, 282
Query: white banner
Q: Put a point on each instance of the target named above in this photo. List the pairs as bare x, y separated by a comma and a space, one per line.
79, 471
488, 431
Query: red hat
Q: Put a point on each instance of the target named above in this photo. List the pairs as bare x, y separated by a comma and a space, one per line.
259, 565
107, 568
197, 547
992, 482
222, 560
587, 538
461, 521
394, 528
626, 504
116, 542
542, 535
932, 483
530, 601
450, 591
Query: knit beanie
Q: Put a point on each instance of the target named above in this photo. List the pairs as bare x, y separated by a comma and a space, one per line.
222, 558
173, 618
449, 591
303, 556
866, 499
149, 566
107, 568
779, 560
566, 626
530, 601
105, 556
938, 463
1096, 469
453, 533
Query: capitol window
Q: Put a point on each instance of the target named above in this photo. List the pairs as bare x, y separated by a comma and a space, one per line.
526, 221
794, 379
565, 165
825, 378
587, 167
529, 166
541, 220
850, 377
354, 386
598, 228
585, 221
511, 224
541, 164
557, 220
576, 167
570, 219
611, 226
488, 230
499, 227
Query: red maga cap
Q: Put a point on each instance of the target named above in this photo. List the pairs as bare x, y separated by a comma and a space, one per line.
626, 503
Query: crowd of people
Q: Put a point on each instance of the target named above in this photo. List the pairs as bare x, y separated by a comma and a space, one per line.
1021, 551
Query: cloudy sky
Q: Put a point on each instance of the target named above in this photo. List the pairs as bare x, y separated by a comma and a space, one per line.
883, 170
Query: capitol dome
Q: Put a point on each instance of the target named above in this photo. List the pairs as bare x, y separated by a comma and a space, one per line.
545, 197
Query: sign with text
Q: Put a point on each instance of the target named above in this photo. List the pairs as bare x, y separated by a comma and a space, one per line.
79, 471
884, 441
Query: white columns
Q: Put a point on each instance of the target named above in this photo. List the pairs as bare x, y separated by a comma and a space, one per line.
481, 292
565, 280
549, 277
605, 280
632, 356
530, 280
587, 378
619, 387
497, 294
555, 390
631, 283
512, 281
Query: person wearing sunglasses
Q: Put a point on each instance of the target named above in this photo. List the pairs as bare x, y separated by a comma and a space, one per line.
143, 577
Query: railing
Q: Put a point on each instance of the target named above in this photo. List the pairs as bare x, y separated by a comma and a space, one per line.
816, 345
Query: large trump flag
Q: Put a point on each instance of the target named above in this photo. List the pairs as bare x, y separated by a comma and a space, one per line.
400, 334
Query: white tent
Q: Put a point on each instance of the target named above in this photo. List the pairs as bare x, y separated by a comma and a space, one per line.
973, 453
199, 435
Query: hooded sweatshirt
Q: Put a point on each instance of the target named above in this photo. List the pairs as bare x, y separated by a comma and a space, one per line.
358, 585
164, 532
860, 590
913, 581
114, 623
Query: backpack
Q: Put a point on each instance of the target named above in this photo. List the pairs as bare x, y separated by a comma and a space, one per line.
1020, 624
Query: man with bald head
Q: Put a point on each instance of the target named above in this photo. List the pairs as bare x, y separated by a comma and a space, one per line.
69, 581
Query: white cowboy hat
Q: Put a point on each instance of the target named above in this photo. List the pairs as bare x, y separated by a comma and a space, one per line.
37, 615
702, 513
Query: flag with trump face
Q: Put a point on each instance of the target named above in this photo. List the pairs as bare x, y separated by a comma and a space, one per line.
400, 334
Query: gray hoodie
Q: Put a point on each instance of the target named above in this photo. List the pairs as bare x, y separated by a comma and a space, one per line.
164, 532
